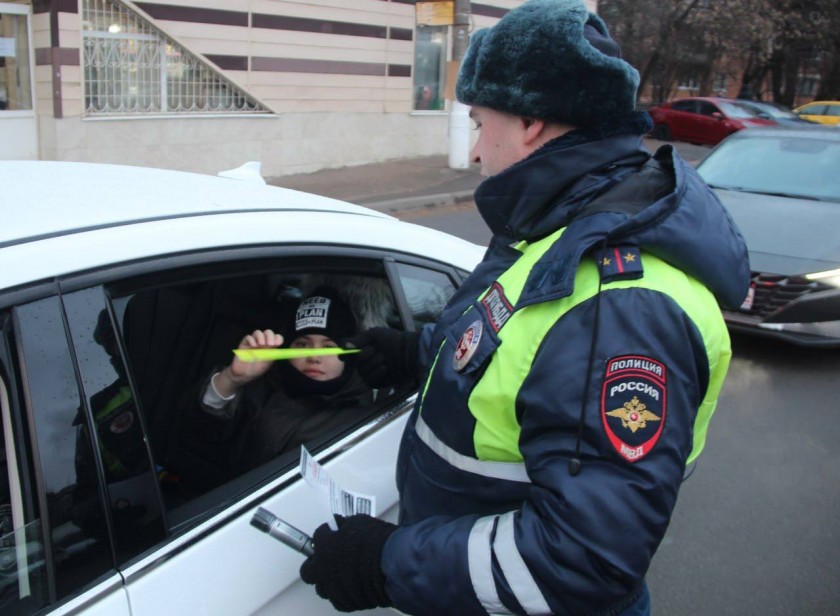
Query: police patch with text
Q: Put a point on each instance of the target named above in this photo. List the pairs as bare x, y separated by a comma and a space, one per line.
634, 404
497, 307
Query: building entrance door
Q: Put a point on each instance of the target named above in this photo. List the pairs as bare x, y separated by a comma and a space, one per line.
18, 130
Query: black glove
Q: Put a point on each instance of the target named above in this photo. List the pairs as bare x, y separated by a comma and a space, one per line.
345, 567
388, 356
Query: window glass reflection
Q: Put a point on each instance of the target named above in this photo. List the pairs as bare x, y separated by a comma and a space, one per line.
426, 291
136, 512
78, 528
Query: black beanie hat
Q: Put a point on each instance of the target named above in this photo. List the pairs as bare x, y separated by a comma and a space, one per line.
551, 60
323, 312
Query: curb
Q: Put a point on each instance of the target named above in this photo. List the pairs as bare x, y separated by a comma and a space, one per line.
419, 202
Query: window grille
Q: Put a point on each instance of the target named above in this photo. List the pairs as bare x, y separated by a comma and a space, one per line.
130, 67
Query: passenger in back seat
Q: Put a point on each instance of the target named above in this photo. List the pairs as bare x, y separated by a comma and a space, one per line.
277, 406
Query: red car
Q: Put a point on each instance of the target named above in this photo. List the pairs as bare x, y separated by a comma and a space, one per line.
702, 120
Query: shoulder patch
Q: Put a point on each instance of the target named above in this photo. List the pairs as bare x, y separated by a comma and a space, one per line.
634, 404
497, 307
619, 262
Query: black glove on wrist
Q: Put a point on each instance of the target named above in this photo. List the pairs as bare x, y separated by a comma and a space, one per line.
345, 567
388, 356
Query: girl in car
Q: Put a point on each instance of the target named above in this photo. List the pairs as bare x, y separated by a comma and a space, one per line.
274, 407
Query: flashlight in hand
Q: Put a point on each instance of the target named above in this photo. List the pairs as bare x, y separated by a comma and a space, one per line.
269, 523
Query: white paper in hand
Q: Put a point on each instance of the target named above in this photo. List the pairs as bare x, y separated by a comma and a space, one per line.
337, 500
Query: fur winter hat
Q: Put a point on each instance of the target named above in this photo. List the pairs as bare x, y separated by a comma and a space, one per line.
323, 312
551, 60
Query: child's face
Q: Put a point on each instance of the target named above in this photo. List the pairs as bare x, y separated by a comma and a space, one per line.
325, 368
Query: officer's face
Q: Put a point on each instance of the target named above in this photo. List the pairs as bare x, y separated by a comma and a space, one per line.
501, 140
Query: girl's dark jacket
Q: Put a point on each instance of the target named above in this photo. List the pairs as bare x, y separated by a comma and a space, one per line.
277, 413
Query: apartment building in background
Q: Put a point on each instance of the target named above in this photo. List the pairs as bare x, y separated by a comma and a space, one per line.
206, 85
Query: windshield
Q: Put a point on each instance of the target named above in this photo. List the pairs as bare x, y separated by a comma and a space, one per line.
778, 113
734, 110
768, 110
795, 165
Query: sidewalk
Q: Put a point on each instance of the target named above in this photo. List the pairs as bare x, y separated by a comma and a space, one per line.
413, 183
391, 186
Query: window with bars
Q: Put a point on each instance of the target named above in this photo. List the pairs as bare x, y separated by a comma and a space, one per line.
130, 67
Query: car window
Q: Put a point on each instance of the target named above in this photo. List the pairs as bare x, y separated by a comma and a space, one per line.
427, 291
813, 110
706, 108
78, 527
176, 331
687, 106
833, 110
23, 577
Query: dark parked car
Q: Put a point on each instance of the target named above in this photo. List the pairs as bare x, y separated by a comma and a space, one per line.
782, 187
702, 120
776, 113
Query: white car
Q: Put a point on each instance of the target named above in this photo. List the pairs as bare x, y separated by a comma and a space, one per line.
120, 289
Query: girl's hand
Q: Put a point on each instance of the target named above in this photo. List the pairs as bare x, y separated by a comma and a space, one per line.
240, 373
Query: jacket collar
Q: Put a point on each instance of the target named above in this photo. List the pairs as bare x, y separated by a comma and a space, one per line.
519, 203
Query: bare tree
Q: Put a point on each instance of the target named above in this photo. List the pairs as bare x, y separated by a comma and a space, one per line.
766, 46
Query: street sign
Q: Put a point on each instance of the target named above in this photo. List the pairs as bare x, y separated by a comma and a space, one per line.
435, 13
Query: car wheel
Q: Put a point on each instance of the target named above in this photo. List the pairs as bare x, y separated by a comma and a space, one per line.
661, 132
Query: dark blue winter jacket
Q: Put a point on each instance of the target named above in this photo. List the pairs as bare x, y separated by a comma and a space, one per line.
566, 385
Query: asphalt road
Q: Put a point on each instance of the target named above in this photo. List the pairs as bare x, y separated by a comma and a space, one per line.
756, 529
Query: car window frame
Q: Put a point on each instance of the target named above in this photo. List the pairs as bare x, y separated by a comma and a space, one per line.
168, 268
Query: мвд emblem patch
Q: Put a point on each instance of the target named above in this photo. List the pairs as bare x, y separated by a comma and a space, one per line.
634, 404
466, 346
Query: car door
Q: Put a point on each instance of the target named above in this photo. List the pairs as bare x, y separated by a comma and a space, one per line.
684, 120
711, 128
145, 344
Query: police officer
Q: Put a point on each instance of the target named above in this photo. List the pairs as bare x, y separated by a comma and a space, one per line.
571, 379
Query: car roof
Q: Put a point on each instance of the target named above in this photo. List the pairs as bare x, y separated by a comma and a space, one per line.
762, 103
811, 131
711, 99
72, 218
51, 198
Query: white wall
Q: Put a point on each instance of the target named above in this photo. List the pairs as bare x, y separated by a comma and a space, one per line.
286, 144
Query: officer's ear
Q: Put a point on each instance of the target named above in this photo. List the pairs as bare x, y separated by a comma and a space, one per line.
533, 129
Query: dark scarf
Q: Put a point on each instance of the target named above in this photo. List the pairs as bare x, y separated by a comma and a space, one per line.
285, 377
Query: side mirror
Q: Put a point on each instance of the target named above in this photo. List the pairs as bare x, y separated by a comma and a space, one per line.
718, 115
